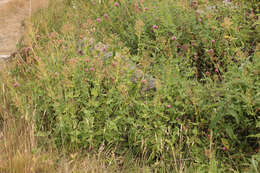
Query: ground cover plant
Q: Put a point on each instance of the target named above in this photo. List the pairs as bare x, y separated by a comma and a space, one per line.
73, 79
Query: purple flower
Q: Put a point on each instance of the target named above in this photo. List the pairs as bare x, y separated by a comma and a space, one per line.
194, 3
105, 15
16, 84
211, 51
86, 69
169, 106
146, 9
80, 52
86, 60
207, 73
173, 38
55, 74
185, 47
216, 70
155, 27
91, 68
27, 49
116, 4
213, 41
143, 81
98, 20
224, 148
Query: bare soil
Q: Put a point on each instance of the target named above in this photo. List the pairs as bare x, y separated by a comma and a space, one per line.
12, 14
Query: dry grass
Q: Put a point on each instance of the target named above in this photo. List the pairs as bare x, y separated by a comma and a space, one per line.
19, 154
21, 7
17, 143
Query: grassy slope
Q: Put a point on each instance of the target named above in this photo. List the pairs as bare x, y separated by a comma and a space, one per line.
202, 117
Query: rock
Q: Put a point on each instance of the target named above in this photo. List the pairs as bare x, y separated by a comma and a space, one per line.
101, 47
138, 76
4, 1
4, 57
148, 82
107, 55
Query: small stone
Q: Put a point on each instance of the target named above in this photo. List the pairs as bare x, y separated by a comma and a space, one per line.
100, 46
4, 57
107, 55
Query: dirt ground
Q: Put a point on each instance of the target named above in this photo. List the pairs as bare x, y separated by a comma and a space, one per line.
12, 13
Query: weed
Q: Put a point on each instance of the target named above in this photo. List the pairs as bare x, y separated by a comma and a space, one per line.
202, 114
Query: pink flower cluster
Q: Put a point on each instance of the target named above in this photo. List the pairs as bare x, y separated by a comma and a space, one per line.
155, 27
16, 84
116, 4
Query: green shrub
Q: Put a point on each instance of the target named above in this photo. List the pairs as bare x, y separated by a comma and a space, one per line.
204, 113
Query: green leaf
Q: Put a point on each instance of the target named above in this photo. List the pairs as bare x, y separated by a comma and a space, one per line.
94, 92
230, 132
254, 136
258, 124
234, 114
195, 131
214, 121
42, 134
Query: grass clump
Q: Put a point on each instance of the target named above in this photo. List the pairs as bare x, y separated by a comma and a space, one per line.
203, 111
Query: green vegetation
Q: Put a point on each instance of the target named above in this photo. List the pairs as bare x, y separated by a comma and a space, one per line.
203, 113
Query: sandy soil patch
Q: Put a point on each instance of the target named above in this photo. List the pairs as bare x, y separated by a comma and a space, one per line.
12, 13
